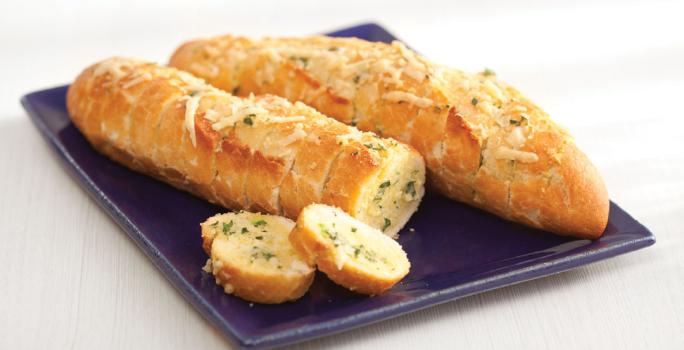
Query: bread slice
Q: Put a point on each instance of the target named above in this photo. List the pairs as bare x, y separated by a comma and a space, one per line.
351, 253
252, 258
484, 143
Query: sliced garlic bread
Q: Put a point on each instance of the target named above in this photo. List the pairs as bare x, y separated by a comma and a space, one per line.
251, 257
260, 153
352, 254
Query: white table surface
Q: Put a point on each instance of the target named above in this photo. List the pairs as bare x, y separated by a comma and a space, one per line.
611, 71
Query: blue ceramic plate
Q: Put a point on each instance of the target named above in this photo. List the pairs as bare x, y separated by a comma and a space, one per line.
455, 250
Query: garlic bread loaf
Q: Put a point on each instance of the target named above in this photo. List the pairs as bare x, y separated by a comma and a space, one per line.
484, 143
251, 257
257, 153
351, 253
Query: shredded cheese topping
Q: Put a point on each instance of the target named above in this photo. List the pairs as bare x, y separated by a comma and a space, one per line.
401, 96
340, 70
346, 138
503, 152
516, 138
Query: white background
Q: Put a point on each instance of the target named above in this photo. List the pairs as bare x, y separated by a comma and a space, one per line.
611, 71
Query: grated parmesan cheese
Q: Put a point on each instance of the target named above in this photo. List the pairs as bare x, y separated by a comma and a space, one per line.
494, 91
297, 134
510, 154
345, 138
516, 138
400, 96
413, 67
190, 109
278, 119
137, 80
207, 266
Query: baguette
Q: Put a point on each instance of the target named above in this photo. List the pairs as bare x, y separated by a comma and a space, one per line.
251, 257
351, 253
483, 142
258, 153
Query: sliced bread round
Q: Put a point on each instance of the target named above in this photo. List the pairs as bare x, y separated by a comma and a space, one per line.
350, 252
251, 257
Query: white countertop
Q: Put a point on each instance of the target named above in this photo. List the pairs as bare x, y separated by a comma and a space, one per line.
611, 71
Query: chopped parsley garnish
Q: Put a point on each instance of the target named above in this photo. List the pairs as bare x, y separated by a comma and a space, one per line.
244, 230
248, 119
514, 122
356, 79
376, 147
227, 227
258, 223
327, 233
357, 250
259, 237
267, 255
387, 224
214, 224
474, 101
410, 188
367, 254
381, 190
487, 72
353, 229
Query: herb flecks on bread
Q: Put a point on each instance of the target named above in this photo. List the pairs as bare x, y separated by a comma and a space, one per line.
252, 258
351, 253
484, 143
258, 153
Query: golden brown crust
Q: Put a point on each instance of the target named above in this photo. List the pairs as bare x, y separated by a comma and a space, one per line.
260, 153
483, 142
262, 289
355, 160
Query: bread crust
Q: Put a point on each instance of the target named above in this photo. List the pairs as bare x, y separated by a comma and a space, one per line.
483, 142
258, 153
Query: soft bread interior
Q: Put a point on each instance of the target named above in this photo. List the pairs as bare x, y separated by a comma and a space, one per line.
355, 245
256, 241
394, 195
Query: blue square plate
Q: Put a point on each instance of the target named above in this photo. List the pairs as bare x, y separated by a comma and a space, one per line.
455, 250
